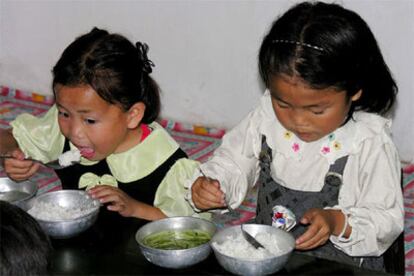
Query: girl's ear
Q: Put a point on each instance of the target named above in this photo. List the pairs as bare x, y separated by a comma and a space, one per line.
135, 115
356, 96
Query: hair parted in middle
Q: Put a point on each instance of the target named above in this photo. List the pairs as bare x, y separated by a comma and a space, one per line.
114, 67
328, 46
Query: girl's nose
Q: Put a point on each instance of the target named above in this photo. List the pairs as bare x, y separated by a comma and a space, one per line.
299, 118
76, 131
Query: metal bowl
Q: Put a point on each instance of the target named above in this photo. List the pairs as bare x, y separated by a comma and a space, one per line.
175, 258
66, 228
268, 265
17, 193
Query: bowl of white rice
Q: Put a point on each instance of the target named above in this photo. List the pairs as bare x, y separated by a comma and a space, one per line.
237, 256
65, 213
17, 193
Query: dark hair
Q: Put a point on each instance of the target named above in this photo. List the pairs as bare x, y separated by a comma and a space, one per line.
25, 249
328, 46
116, 69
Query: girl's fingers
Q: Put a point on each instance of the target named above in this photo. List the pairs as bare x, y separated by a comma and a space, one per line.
311, 243
18, 164
205, 201
16, 178
311, 238
109, 198
18, 154
206, 194
116, 207
19, 174
100, 191
210, 196
117, 200
200, 202
211, 192
33, 169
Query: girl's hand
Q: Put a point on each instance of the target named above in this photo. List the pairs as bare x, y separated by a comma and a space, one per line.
125, 205
118, 200
206, 194
322, 224
18, 168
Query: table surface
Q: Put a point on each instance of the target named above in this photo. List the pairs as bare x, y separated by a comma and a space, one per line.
113, 250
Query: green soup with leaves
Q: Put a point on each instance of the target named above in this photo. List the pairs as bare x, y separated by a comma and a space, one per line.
176, 239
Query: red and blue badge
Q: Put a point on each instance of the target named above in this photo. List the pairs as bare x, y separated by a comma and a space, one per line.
283, 218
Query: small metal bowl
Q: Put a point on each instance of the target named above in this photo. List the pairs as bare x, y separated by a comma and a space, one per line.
269, 265
67, 228
175, 258
17, 193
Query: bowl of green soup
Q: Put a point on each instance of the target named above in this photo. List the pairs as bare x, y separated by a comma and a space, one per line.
176, 242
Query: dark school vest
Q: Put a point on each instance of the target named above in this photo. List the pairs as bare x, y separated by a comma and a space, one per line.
271, 193
143, 189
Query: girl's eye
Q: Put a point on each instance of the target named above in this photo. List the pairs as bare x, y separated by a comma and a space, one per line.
90, 121
63, 114
318, 112
282, 105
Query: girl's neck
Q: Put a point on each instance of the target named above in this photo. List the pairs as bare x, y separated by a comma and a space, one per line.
135, 137
145, 131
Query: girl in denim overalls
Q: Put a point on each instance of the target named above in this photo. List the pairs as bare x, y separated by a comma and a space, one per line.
317, 143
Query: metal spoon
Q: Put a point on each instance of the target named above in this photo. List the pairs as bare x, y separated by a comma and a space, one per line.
225, 198
250, 239
52, 164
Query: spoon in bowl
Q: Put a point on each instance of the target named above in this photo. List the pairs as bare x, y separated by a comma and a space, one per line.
250, 239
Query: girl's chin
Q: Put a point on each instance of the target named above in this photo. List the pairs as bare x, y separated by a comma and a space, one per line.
307, 137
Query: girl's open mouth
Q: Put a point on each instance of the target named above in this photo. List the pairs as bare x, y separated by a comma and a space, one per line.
87, 152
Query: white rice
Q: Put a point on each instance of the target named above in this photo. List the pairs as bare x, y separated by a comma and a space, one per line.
66, 158
52, 212
238, 247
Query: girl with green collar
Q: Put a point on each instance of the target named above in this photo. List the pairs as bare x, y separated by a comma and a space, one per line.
106, 107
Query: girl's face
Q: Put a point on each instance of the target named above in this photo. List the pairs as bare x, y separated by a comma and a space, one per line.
94, 125
309, 113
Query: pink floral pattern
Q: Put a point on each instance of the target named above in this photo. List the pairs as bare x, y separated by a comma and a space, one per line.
330, 145
295, 147
326, 150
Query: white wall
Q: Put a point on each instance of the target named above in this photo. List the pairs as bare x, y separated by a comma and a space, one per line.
205, 51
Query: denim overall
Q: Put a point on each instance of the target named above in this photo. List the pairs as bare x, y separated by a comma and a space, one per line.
272, 193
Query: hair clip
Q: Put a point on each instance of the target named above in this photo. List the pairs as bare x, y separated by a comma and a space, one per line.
142, 52
298, 43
